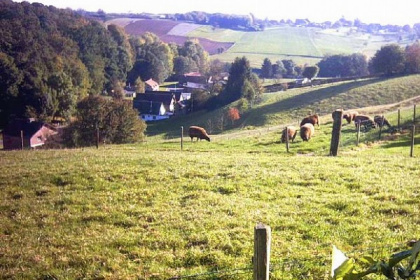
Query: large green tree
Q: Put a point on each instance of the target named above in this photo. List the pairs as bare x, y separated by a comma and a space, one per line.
154, 58
389, 60
267, 69
114, 120
412, 56
242, 83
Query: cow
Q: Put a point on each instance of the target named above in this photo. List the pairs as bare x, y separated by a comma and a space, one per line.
366, 121
350, 115
313, 119
291, 131
307, 131
199, 132
381, 121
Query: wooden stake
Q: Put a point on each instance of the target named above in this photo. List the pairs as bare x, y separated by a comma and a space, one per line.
262, 245
182, 138
336, 132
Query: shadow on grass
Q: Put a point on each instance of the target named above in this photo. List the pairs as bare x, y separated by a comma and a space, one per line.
258, 116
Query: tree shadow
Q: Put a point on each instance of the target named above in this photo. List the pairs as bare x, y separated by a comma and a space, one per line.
296, 103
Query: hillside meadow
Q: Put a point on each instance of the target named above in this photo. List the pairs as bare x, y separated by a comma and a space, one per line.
155, 211
304, 45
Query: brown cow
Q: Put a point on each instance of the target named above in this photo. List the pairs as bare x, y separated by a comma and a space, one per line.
199, 132
291, 131
381, 121
307, 131
350, 115
314, 120
364, 120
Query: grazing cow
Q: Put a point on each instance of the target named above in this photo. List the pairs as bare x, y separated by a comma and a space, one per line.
307, 131
291, 132
199, 132
364, 120
350, 115
381, 121
314, 120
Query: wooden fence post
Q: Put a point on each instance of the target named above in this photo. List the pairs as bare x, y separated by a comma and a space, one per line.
262, 244
413, 132
336, 132
182, 138
97, 138
287, 139
399, 119
380, 127
21, 140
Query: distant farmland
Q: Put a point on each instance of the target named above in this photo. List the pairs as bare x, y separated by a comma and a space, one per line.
173, 32
304, 45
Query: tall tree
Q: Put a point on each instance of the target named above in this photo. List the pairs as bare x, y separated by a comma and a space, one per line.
267, 69
310, 72
412, 55
389, 60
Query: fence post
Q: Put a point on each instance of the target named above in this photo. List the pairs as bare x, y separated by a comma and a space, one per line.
287, 139
97, 138
21, 140
413, 132
414, 114
380, 127
262, 244
182, 138
336, 132
358, 125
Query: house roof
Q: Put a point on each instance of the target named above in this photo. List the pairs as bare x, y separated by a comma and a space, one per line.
148, 107
151, 83
166, 98
28, 126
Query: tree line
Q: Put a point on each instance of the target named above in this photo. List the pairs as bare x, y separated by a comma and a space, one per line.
389, 60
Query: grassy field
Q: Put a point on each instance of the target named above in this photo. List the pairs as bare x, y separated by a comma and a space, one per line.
291, 106
154, 211
302, 45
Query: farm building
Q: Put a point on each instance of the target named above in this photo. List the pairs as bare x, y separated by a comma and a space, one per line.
155, 106
26, 133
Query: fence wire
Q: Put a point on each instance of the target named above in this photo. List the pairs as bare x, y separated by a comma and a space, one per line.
296, 268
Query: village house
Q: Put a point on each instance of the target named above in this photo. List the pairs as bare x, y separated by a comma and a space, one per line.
151, 85
154, 106
26, 133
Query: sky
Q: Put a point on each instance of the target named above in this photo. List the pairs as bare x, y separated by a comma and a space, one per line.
399, 12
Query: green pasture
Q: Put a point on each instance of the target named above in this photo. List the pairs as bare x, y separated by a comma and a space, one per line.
155, 211
289, 107
302, 45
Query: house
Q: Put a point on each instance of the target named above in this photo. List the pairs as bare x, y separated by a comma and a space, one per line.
194, 80
151, 111
155, 106
26, 133
151, 85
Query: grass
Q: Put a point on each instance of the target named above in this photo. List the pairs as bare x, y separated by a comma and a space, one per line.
302, 45
154, 211
291, 106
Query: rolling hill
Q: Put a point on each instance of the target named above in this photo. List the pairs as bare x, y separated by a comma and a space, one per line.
304, 45
154, 211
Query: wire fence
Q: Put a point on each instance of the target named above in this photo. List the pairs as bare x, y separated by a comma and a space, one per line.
316, 267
